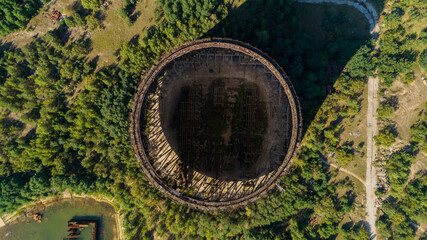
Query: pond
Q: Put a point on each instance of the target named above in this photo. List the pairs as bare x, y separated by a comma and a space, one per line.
56, 216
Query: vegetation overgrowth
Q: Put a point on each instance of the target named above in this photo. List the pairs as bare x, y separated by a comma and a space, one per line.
402, 212
419, 131
402, 47
65, 125
14, 15
403, 207
402, 43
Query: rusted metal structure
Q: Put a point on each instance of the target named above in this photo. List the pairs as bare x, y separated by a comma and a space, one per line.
76, 226
212, 194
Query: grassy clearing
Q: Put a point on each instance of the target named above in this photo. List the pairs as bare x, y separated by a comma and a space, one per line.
355, 134
38, 25
104, 42
411, 100
107, 41
419, 165
414, 25
317, 19
235, 3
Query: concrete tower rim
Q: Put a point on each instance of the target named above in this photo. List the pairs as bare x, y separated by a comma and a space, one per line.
137, 105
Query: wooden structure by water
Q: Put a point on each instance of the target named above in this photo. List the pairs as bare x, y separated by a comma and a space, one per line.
75, 227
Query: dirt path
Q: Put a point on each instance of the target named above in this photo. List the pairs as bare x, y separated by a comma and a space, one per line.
343, 170
419, 229
39, 25
371, 176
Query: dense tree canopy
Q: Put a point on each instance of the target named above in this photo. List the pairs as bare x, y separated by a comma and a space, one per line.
401, 212
399, 47
419, 130
423, 60
64, 125
14, 14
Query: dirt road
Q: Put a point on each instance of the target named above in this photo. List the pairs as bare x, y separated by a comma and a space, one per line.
371, 176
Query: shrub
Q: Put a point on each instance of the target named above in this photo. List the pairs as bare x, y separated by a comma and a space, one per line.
91, 4
124, 15
409, 78
69, 21
78, 49
385, 112
79, 20
385, 138
92, 22
423, 60
128, 3
344, 154
419, 130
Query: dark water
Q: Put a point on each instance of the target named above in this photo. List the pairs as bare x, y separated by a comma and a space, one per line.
55, 218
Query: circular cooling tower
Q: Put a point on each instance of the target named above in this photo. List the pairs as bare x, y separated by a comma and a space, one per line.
215, 123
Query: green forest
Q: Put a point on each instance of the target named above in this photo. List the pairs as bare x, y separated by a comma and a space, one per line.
400, 49
15, 15
405, 202
64, 120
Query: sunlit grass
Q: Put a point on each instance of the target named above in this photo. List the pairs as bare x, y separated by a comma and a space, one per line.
107, 41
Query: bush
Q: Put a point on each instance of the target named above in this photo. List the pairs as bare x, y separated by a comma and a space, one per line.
423, 36
124, 15
423, 60
78, 49
79, 20
69, 21
419, 130
92, 22
409, 78
91, 4
385, 112
344, 154
385, 138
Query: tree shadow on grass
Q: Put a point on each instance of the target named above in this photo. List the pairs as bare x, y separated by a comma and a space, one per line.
311, 42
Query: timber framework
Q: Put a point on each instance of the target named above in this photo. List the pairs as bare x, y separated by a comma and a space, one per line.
215, 124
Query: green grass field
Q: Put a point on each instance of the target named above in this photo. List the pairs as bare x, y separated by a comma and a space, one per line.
107, 41
355, 133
